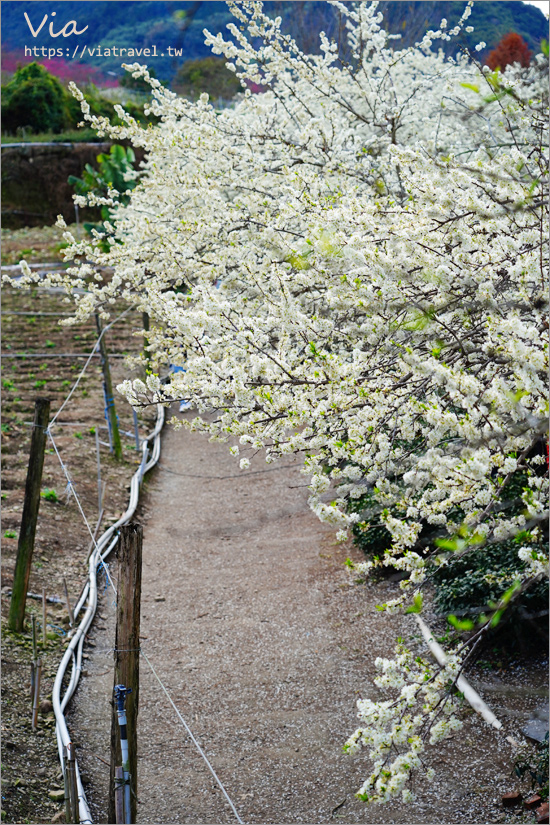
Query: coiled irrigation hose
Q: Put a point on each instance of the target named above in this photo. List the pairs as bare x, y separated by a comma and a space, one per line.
73, 654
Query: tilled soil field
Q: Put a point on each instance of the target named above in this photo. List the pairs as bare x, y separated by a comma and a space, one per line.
41, 358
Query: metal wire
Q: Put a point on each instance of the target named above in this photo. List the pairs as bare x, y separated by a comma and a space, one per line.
85, 367
97, 561
198, 747
101, 549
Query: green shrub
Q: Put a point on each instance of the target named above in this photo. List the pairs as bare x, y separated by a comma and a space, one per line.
206, 75
110, 175
34, 99
369, 534
482, 576
49, 495
37, 101
472, 583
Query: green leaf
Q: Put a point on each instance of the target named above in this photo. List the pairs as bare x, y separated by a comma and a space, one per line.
496, 617
471, 86
509, 594
460, 624
416, 606
447, 544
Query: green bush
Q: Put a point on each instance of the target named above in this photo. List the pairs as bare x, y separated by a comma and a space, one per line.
369, 534
35, 100
471, 583
110, 175
482, 576
207, 75
99, 106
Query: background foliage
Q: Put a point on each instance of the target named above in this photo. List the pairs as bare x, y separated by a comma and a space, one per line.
34, 100
139, 23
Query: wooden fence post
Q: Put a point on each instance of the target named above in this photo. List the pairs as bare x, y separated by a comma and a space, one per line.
29, 517
109, 400
129, 554
119, 796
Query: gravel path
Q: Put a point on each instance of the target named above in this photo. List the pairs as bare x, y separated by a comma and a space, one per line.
245, 644
264, 644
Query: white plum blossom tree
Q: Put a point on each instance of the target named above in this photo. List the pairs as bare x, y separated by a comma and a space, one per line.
352, 266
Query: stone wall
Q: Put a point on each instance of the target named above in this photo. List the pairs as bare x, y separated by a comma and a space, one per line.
34, 181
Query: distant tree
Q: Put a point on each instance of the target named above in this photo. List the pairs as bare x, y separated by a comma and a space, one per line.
34, 99
128, 81
511, 49
37, 101
207, 75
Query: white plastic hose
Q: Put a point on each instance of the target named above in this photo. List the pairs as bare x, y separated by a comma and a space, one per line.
104, 546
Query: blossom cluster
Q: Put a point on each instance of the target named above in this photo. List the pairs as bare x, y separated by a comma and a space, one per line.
396, 731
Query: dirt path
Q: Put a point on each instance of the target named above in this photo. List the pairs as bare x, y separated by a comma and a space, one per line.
264, 643
244, 644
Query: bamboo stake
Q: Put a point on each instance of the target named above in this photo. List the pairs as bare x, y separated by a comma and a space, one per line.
73, 792
136, 429
110, 411
69, 608
66, 787
33, 663
44, 617
33, 625
99, 495
36, 695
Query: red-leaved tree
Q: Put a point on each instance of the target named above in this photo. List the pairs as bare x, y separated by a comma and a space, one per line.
511, 49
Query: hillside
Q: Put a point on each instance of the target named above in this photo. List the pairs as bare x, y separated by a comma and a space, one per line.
179, 25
